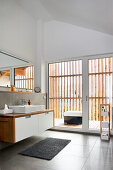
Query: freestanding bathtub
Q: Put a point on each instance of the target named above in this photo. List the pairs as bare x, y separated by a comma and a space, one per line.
73, 117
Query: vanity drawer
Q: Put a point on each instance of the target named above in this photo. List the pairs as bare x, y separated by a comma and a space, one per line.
45, 121
49, 120
24, 128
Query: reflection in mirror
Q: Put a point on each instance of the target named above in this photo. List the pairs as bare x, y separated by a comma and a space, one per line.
5, 78
24, 77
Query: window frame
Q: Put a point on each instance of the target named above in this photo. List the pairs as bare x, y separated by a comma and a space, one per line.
65, 75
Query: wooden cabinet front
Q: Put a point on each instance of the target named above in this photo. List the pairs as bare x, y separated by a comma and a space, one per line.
6, 130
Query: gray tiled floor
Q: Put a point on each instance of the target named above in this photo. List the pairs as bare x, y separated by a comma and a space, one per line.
84, 152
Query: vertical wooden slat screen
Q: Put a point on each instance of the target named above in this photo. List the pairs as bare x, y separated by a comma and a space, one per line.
24, 77
65, 87
61, 91
100, 86
69, 86
73, 84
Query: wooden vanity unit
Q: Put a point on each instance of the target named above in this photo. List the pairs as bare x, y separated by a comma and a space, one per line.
16, 127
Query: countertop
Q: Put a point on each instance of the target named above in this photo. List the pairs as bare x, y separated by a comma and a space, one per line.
16, 115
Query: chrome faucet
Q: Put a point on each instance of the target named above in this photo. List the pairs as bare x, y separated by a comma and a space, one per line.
23, 101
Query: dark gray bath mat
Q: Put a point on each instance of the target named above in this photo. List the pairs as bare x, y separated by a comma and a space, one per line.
46, 149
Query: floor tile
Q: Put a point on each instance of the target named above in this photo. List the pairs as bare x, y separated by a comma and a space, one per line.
76, 150
84, 152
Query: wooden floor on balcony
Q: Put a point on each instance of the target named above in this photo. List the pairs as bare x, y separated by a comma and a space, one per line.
93, 125
60, 123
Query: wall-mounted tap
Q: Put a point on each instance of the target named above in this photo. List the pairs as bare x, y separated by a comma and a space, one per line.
23, 101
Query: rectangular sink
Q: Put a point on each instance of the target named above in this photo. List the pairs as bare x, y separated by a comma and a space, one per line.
27, 108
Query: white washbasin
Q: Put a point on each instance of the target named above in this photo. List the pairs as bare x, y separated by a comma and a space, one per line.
5, 111
27, 108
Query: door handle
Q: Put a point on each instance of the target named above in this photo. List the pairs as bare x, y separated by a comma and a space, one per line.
46, 113
27, 116
86, 98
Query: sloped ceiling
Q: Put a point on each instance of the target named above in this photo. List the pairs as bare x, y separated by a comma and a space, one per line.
35, 8
92, 14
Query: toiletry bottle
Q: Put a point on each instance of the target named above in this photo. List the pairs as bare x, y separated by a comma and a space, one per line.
12, 88
29, 103
102, 109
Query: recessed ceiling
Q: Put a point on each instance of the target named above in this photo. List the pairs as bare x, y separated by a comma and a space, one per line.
92, 14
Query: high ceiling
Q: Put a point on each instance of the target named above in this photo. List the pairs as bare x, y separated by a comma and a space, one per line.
92, 14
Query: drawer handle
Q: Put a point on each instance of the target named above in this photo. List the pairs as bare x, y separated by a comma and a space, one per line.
27, 116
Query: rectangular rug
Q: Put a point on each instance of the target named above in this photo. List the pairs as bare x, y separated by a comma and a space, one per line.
46, 149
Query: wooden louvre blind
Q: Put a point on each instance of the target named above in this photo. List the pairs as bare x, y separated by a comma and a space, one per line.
100, 86
65, 87
24, 77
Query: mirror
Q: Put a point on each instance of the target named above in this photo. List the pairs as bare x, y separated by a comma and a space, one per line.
8, 60
15, 71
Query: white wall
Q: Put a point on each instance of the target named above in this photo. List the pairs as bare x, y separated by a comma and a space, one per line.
17, 30
39, 53
40, 65
64, 40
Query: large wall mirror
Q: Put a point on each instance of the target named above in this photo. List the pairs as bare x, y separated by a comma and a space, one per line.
15, 71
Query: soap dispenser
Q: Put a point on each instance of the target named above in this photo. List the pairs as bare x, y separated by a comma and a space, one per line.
29, 102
